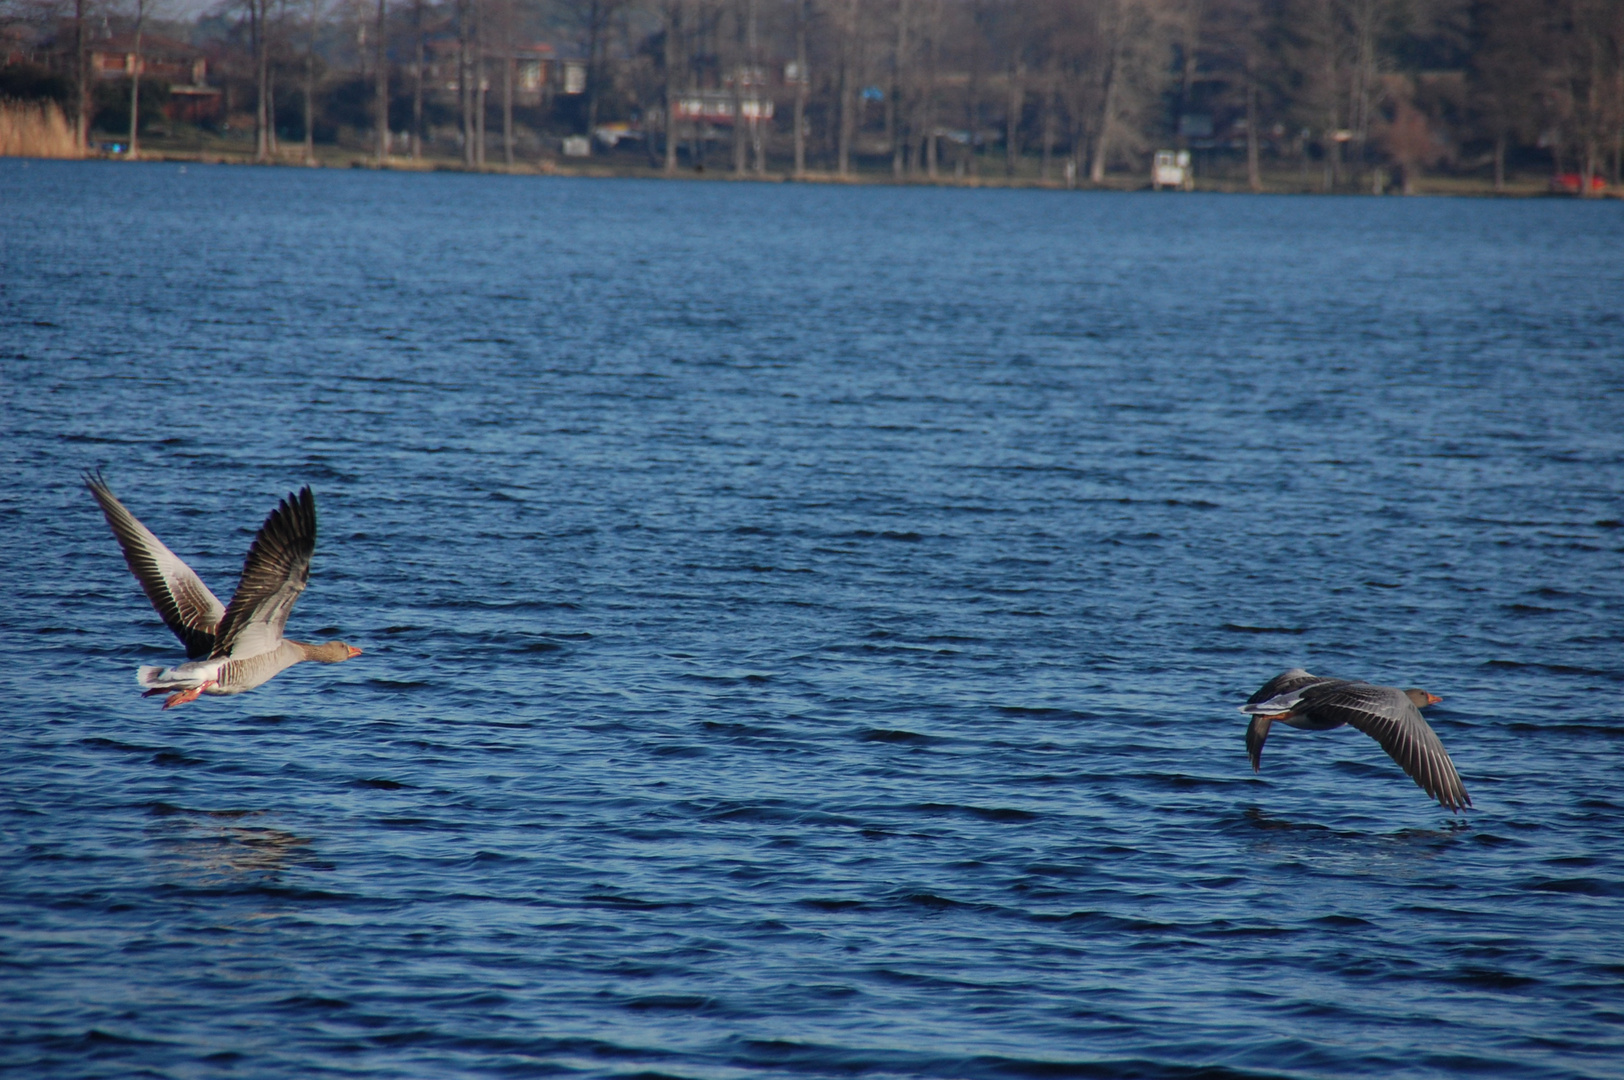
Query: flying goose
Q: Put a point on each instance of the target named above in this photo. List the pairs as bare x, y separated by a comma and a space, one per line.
235, 647
1387, 714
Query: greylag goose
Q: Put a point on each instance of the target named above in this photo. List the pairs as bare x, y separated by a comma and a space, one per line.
232, 647
1387, 714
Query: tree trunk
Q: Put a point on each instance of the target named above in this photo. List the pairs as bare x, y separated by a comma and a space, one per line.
1102, 134
1051, 92
1254, 171
596, 16
81, 80
270, 110
135, 83
507, 107
1500, 159
848, 88
258, 10
465, 95
381, 98
673, 23
479, 84
1191, 48
753, 47
931, 147
1012, 119
1075, 160
899, 71
1591, 166
1365, 16
417, 81
310, 92
740, 51
802, 14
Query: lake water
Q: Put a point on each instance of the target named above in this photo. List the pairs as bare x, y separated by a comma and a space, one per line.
804, 628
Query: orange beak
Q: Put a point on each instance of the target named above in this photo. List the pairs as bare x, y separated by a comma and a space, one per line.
1432, 699
354, 652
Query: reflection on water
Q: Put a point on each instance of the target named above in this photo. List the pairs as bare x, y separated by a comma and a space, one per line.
221, 849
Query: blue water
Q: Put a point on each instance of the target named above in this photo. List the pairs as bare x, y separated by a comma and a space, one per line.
804, 627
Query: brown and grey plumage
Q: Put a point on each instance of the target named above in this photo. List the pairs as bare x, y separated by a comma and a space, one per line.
183, 602
1387, 714
232, 647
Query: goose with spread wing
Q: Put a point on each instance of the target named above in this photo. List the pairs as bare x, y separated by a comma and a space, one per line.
229, 647
1387, 714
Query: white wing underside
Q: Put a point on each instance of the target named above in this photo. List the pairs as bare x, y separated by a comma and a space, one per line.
1278, 704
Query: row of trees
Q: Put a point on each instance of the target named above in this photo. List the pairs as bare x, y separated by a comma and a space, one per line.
1347, 92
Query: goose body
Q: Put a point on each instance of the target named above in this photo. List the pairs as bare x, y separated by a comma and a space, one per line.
231, 647
1387, 714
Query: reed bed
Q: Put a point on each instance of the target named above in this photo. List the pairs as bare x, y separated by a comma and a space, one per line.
35, 129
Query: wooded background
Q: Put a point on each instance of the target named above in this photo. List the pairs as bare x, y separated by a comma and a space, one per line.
1336, 94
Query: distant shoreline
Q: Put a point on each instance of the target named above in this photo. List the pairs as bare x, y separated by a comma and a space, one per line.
1275, 184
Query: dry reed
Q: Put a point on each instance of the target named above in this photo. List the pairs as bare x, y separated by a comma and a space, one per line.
30, 129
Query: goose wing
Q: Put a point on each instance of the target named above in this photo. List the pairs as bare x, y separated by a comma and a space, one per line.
1387, 715
1280, 694
1287, 687
1257, 733
182, 600
273, 576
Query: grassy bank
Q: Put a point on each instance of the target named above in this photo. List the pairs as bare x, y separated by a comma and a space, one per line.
203, 147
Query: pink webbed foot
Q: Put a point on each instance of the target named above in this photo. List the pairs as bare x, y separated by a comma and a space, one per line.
185, 695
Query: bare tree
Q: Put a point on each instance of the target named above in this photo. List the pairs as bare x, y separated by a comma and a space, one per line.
137, 63
1506, 76
850, 75
81, 78
1587, 54
1133, 37
673, 35
1319, 55
1098, 82
803, 79
753, 67
418, 43
1014, 106
380, 104
312, 30
259, 36
1234, 41
465, 75
895, 113
927, 126
481, 82
508, 60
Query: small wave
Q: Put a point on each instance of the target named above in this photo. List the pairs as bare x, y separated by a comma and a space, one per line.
113, 744
890, 735
985, 813
616, 900
378, 783
176, 758
1583, 886
670, 1003
310, 1003
163, 809
827, 904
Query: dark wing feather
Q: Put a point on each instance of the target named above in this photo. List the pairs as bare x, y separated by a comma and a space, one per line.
1257, 733
1284, 683
1391, 718
273, 576
181, 599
